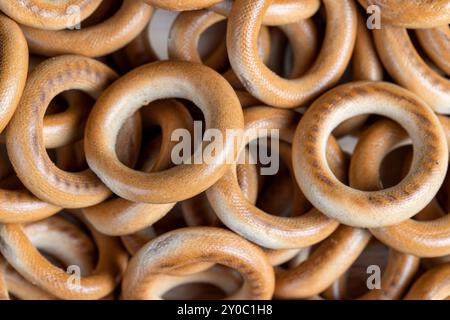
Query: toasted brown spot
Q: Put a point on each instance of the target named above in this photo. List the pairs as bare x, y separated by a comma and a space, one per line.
374, 200
322, 178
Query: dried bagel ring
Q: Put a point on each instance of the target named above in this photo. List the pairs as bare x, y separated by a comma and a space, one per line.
160, 80
369, 208
189, 246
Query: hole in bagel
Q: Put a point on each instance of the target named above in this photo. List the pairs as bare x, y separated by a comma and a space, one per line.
195, 291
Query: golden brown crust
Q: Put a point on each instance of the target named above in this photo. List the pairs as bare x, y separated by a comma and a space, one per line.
188, 246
